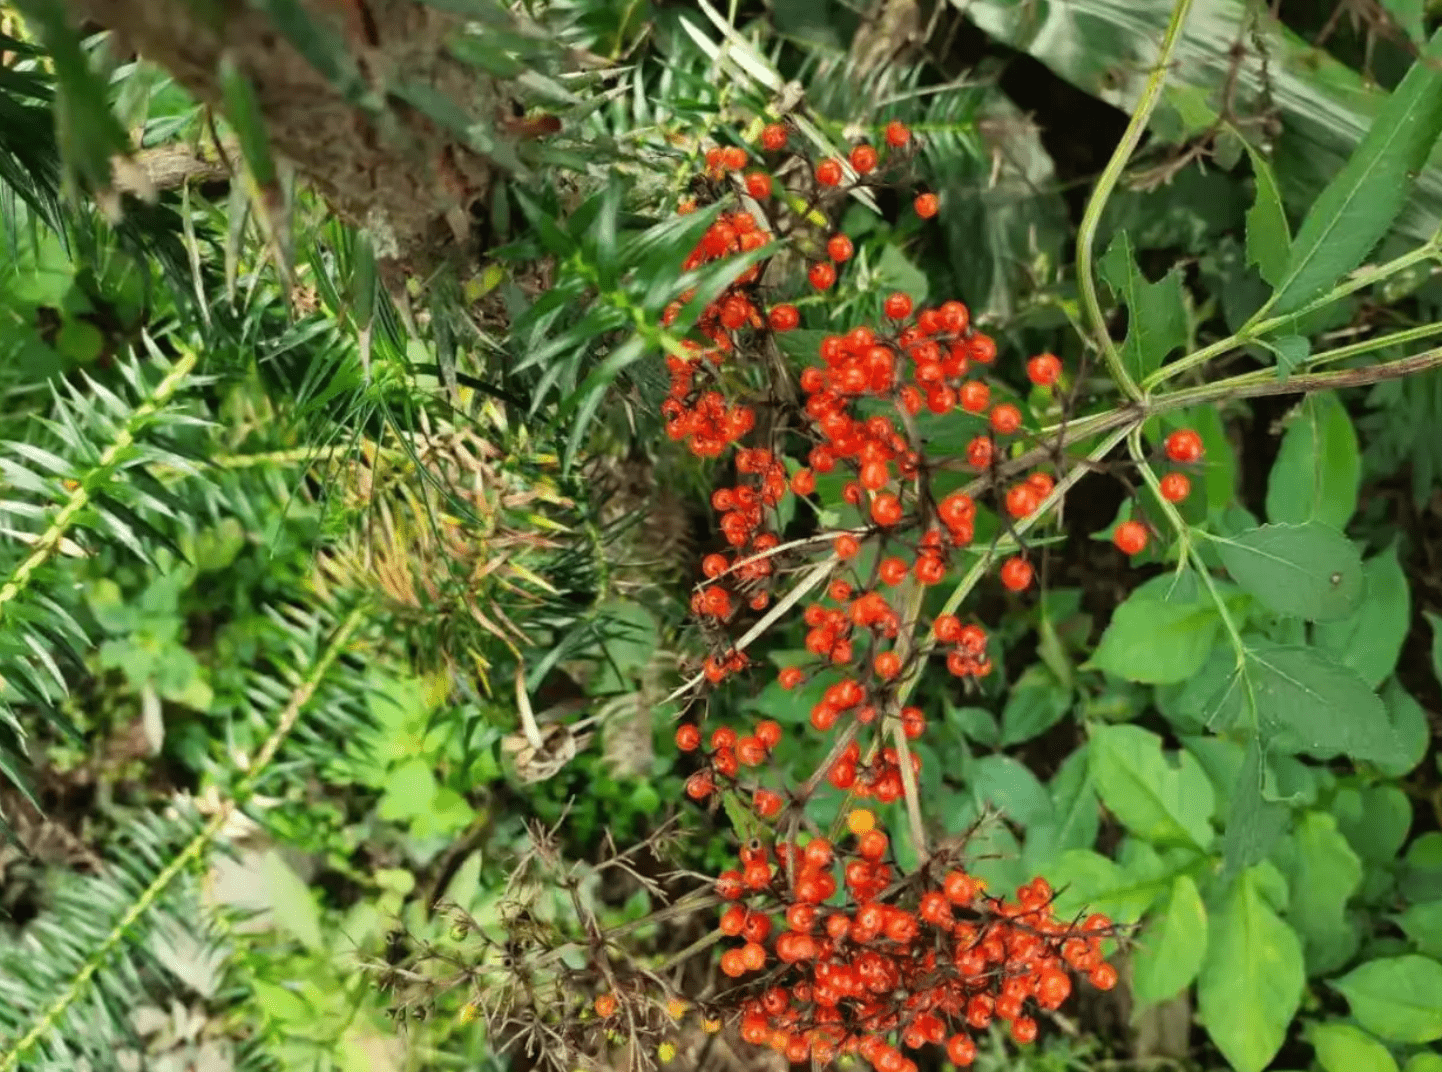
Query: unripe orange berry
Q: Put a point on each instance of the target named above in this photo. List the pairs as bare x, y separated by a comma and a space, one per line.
606, 1005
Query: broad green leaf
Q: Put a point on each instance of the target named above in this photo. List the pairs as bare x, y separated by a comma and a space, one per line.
1409, 727
1361, 202
1037, 702
1170, 952
1252, 978
1344, 1048
1369, 640
291, 903
1254, 823
1156, 312
1307, 570
1087, 881
976, 723
1374, 820
1289, 351
1152, 797
1318, 468
1423, 924
1157, 640
1269, 238
1323, 873
1424, 1062
1435, 621
1308, 703
1011, 787
1397, 998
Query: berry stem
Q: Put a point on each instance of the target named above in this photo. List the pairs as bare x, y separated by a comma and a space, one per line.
1086, 235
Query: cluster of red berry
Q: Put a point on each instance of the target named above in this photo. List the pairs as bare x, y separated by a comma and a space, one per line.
924, 958
1183, 447
930, 967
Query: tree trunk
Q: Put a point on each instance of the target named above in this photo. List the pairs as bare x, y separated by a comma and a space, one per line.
381, 164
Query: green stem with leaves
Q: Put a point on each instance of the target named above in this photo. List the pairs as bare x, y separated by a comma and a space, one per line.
195, 848
1091, 219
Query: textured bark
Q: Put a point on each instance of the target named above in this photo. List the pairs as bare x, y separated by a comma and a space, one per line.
407, 180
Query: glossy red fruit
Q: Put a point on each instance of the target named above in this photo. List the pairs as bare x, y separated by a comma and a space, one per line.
974, 396
897, 134
897, 306
888, 665
1130, 537
1184, 446
864, 158
758, 185
927, 205
886, 509
1044, 370
688, 737
1175, 487
700, 785
822, 276
846, 546
839, 248
829, 173
1005, 418
893, 571
784, 317
1016, 574
773, 136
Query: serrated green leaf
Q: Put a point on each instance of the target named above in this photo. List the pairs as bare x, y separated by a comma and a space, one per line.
1156, 312
1397, 998
1171, 950
1318, 470
1254, 823
1307, 570
1360, 204
1153, 798
1252, 978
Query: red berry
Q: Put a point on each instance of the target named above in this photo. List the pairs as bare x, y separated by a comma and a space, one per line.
1044, 370
688, 737
872, 845
892, 570
606, 1006
974, 396
791, 676
846, 546
732, 920
979, 452
773, 136
783, 318
864, 158
822, 276
828, 173
1103, 976
758, 185
839, 248
1005, 418
768, 732
733, 158
803, 482
1184, 446
1022, 500
1175, 487
1023, 1030
960, 1050
1016, 574
888, 665
699, 786
897, 134
897, 306
886, 509
927, 205
1130, 537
